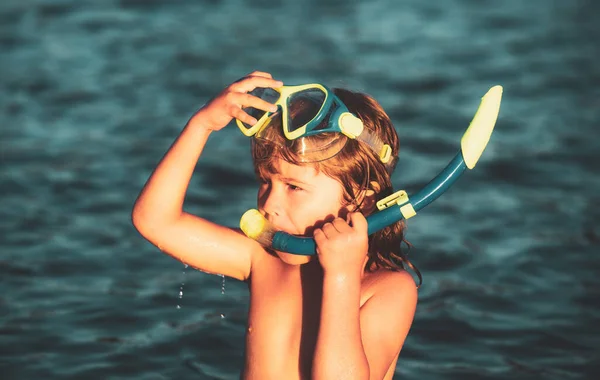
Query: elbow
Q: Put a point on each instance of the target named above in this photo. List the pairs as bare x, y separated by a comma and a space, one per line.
142, 221
147, 215
137, 217
138, 222
151, 224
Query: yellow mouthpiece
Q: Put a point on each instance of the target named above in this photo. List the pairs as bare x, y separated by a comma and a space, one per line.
253, 224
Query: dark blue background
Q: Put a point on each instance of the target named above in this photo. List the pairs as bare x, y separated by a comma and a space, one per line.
92, 93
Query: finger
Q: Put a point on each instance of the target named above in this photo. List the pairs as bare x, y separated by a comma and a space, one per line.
242, 116
250, 83
260, 74
358, 221
329, 230
341, 225
254, 74
248, 100
320, 238
321, 241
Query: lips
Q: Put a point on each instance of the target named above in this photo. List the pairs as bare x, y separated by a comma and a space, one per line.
277, 227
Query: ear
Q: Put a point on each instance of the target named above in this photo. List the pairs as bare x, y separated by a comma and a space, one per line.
370, 198
367, 199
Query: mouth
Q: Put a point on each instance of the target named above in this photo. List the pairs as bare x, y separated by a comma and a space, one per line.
277, 227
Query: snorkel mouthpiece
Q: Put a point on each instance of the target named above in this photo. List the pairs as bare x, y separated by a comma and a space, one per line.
257, 227
397, 206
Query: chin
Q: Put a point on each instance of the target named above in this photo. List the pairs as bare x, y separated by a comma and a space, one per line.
292, 259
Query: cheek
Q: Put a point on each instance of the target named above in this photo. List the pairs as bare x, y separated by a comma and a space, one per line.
313, 215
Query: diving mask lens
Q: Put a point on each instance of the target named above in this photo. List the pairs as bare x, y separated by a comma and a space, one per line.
266, 94
304, 113
303, 107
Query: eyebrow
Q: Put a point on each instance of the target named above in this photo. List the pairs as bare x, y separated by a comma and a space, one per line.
290, 179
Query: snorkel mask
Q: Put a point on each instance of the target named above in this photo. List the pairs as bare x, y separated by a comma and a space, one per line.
307, 111
329, 117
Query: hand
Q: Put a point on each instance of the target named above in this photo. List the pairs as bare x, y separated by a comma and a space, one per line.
217, 113
342, 247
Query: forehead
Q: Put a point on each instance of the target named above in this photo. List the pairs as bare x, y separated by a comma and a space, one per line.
286, 169
307, 173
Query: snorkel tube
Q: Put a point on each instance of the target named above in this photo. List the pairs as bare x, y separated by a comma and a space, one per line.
399, 205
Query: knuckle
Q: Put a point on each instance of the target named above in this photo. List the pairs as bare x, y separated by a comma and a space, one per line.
259, 73
232, 98
233, 110
234, 85
228, 95
237, 86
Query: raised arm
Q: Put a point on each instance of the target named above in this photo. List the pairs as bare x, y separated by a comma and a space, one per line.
158, 212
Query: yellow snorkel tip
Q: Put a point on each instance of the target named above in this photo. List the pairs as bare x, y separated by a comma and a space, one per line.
256, 227
478, 134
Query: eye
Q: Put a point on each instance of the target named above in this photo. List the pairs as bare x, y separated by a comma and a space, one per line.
293, 187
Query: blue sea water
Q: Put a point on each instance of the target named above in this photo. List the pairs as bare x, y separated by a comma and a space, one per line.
92, 93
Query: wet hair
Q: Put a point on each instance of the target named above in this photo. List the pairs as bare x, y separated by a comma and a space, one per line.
355, 167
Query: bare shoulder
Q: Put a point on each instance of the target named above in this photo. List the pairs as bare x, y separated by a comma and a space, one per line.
390, 285
391, 293
398, 277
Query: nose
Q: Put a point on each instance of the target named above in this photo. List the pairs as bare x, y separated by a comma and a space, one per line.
269, 200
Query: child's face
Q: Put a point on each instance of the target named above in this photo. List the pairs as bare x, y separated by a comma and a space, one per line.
296, 199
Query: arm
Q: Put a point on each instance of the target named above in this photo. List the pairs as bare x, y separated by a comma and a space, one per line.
357, 342
339, 353
158, 212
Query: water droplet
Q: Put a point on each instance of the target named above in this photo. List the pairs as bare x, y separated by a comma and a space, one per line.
185, 266
222, 290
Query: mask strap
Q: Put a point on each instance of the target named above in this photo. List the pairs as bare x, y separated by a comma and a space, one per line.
354, 128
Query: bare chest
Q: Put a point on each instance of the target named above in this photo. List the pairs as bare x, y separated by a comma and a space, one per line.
283, 318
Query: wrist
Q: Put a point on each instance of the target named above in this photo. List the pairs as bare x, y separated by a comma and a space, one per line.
198, 122
197, 126
341, 276
343, 287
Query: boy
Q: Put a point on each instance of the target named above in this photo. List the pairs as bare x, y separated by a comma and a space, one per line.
341, 315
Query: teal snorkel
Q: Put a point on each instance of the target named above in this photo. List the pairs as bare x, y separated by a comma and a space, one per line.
399, 205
